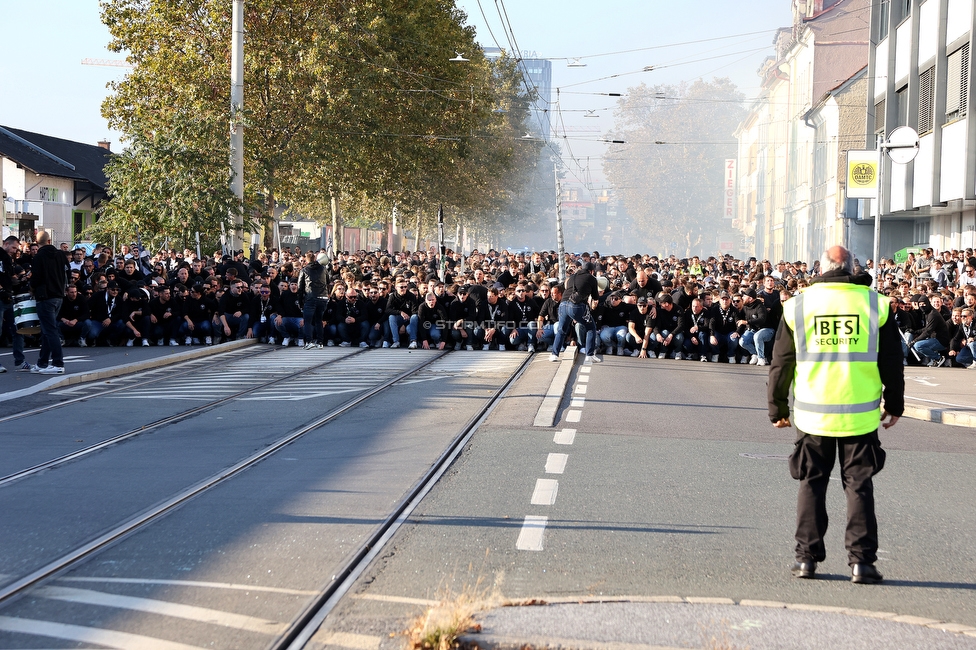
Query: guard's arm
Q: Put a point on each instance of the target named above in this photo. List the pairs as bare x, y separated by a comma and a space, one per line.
891, 367
781, 372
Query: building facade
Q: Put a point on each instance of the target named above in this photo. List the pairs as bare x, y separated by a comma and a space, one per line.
919, 76
50, 184
791, 146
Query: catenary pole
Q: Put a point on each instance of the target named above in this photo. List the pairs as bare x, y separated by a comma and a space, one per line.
236, 123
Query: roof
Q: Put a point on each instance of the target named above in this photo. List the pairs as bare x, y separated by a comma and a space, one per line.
40, 153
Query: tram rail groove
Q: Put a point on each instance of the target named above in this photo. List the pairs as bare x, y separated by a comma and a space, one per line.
171, 419
306, 624
109, 391
68, 561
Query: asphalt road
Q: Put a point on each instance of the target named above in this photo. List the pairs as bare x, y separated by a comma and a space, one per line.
674, 484
234, 566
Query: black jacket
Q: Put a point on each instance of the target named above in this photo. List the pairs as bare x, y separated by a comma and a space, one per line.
49, 273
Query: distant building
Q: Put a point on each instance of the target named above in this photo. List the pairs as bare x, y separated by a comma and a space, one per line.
919, 76
538, 72
50, 183
794, 140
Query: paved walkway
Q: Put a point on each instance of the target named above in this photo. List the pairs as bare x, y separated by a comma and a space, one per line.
672, 623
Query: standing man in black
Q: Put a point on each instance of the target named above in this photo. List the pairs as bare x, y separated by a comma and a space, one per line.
49, 276
581, 287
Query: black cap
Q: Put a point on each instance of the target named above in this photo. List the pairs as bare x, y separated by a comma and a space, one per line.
589, 267
112, 285
664, 296
749, 292
641, 301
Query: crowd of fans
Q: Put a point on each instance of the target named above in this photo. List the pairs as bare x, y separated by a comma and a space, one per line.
715, 309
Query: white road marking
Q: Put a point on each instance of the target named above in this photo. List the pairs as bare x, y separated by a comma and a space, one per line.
194, 583
581, 389
556, 463
577, 402
81, 634
585, 369
545, 492
546, 415
583, 378
530, 537
348, 640
163, 608
573, 416
397, 599
564, 437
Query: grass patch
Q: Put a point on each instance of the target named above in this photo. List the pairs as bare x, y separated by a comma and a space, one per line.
440, 626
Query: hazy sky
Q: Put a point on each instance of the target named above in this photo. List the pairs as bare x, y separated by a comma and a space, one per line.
47, 90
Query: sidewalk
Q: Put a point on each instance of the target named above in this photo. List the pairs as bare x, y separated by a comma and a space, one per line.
673, 622
98, 363
943, 395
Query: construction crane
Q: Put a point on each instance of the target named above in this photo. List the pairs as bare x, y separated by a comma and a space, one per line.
114, 63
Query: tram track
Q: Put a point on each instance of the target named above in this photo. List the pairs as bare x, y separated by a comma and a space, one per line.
172, 419
298, 623
305, 625
164, 375
65, 562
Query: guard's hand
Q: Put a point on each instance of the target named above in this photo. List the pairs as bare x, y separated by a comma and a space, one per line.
782, 424
892, 420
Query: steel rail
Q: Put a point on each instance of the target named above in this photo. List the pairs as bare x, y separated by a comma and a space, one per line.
306, 624
171, 419
69, 560
165, 374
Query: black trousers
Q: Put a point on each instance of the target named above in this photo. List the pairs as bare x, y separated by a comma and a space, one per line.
861, 457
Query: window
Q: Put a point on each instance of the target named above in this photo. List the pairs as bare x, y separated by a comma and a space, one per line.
957, 83
879, 117
926, 95
902, 117
884, 14
922, 232
77, 225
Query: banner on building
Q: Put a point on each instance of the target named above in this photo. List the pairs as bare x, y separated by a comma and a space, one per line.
729, 189
862, 174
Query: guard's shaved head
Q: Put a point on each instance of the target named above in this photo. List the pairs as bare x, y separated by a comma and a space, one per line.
837, 258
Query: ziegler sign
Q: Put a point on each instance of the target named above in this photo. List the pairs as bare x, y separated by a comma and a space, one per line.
728, 189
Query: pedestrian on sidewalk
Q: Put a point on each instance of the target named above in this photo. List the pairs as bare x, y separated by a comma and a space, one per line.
49, 277
839, 347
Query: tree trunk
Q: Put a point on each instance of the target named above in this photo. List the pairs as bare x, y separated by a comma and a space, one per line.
268, 222
335, 222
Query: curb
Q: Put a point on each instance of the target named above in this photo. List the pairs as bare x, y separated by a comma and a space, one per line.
116, 371
546, 415
952, 417
497, 642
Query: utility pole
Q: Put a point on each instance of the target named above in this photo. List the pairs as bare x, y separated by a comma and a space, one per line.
560, 243
236, 126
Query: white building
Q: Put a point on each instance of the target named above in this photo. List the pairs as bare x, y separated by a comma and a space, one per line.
50, 183
918, 76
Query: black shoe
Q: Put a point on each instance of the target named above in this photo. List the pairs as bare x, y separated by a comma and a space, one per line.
804, 569
865, 574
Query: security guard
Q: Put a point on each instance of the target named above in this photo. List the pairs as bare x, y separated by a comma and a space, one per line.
839, 347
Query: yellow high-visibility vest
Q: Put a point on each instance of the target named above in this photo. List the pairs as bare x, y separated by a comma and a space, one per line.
837, 386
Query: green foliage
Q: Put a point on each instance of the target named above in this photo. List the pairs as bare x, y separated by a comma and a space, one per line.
354, 100
670, 172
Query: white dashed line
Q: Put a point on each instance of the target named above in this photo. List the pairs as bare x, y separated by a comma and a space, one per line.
564, 437
530, 538
578, 402
556, 463
176, 610
81, 634
545, 492
573, 416
585, 369
583, 378
581, 389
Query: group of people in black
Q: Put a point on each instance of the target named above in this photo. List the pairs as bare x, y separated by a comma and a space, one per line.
715, 309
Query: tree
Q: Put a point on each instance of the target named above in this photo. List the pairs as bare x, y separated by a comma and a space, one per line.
670, 171
342, 101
